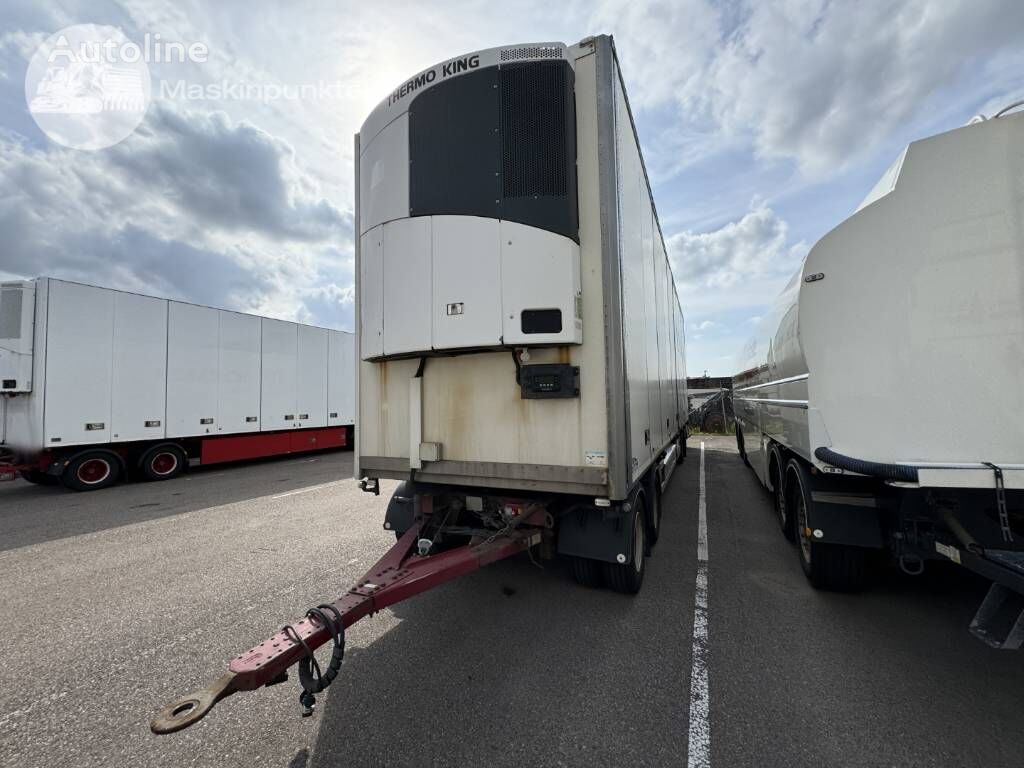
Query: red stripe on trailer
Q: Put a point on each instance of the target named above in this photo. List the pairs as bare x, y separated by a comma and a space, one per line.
215, 450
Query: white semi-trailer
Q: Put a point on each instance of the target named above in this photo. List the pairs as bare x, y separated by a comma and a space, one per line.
884, 407
520, 338
98, 384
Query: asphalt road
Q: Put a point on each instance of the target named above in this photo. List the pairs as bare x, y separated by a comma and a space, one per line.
118, 601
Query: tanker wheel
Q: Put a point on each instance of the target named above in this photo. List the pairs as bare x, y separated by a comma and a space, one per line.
741, 445
628, 577
833, 567
162, 462
91, 471
586, 572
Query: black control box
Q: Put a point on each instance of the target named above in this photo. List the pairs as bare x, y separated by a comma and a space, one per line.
546, 380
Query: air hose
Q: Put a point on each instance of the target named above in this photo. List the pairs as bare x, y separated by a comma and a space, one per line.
312, 679
897, 472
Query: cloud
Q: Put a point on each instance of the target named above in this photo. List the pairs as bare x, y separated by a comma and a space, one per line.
817, 82
193, 206
737, 262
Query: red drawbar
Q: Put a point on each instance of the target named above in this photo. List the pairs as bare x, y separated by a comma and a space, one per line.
215, 450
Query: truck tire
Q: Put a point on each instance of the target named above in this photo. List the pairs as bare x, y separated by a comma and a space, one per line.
654, 516
740, 445
586, 572
780, 499
832, 567
91, 470
682, 446
628, 577
162, 462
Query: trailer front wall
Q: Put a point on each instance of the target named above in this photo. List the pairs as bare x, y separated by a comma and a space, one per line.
472, 404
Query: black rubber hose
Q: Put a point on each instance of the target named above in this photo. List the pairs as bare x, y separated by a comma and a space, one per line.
898, 472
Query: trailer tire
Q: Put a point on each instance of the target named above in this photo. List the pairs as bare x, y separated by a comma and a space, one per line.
586, 572
654, 517
832, 567
38, 477
628, 577
686, 436
163, 462
91, 471
780, 494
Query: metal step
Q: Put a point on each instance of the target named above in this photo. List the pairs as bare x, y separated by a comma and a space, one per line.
999, 621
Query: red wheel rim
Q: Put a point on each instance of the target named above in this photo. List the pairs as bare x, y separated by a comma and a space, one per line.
164, 463
93, 471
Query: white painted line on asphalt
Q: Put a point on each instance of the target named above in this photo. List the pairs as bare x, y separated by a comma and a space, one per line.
307, 490
700, 721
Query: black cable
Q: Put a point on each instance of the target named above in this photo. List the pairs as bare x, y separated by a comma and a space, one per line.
519, 366
312, 678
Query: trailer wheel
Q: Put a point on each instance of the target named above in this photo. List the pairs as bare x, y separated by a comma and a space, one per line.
162, 462
628, 577
91, 470
586, 572
780, 495
654, 516
686, 436
832, 567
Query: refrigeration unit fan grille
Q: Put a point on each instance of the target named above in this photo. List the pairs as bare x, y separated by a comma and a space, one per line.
533, 116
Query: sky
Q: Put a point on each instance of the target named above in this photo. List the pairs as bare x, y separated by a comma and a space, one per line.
763, 124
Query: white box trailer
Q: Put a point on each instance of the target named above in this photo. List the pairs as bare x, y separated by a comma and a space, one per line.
883, 405
96, 383
519, 332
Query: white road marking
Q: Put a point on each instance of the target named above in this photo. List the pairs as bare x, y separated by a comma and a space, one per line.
700, 722
307, 490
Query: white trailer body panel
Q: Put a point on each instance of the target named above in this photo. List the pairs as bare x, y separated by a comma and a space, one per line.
901, 341
341, 361
111, 367
598, 297
311, 377
280, 367
238, 381
80, 347
138, 393
193, 355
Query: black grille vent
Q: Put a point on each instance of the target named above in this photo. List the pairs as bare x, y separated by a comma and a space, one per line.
533, 123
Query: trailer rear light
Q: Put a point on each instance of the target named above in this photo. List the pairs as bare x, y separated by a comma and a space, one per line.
513, 510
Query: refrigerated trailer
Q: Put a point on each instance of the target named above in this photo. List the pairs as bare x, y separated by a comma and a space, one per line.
98, 384
521, 356
520, 337
883, 408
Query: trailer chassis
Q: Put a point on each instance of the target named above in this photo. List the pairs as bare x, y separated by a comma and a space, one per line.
407, 569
